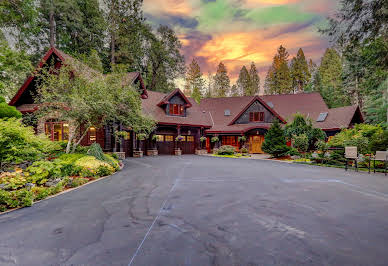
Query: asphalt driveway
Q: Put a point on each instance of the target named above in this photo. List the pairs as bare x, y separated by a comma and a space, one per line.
193, 210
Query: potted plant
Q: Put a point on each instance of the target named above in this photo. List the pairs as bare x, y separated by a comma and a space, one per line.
140, 137
178, 140
119, 136
202, 148
215, 140
154, 150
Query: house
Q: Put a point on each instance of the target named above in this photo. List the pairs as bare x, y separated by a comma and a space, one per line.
228, 118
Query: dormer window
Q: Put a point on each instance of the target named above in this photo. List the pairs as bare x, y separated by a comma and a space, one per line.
176, 109
256, 116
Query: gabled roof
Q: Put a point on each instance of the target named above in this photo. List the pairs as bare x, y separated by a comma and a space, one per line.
80, 68
27, 82
194, 116
257, 98
285, 105
173, 93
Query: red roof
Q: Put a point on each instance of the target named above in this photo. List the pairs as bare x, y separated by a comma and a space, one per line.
194, 115
285, 105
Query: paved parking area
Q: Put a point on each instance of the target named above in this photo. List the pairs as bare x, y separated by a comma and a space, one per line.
194, 210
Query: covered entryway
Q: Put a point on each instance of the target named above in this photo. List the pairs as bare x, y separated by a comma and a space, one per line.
165, 144
255, 143
188, 145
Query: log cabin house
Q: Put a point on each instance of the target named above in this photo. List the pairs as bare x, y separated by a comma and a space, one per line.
228, 118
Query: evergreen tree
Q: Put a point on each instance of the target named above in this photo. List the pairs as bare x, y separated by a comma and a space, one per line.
278, 80
166, 63
7, 111
14, 68
243, 83
74, 26
275, 141
221, 81
330, 72
299, 72
234, 91
194, 81
210, 83
254, 81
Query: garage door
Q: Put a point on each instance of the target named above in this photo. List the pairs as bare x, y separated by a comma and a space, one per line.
165, 144
188, 145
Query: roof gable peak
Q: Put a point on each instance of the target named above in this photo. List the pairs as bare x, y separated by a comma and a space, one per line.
257, 98
166, 99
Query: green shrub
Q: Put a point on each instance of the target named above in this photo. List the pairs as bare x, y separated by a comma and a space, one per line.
293, 152
96, 151
41, 192
79, 181
14, 199
41, 171
115, 156
226, 150
244, 150
275, 141
367, 138
86, 172
19, 143
7, 111
104, 171
301, 142
300, 125
90, 162
337, 157
13, 181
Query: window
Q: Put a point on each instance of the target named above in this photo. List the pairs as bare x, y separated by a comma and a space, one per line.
56, 131
159, 138
190, 138
168, 138
229, 140
256, 116
92, 135
176, 109
127, 136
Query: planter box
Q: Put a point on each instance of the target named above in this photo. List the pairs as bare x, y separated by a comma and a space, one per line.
200, 152
178, 152
152, 152
137, 154
120, 155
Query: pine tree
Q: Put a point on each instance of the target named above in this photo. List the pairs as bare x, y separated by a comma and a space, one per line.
243, 83
278, 78
194, 81
275, 141
299, 72
221, 81
210, 83
330, 72
254, 81
234, 91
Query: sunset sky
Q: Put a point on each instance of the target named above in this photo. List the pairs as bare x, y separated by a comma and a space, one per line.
237, 32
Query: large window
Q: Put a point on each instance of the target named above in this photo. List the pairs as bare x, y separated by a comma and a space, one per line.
92, 135
168, 138
229, 140
256, 116
56, 130
176, 109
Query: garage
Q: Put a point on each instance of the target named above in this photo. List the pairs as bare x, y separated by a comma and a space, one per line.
165, 144
188, 144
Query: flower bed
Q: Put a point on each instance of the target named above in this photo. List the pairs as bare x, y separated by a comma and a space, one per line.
20, 188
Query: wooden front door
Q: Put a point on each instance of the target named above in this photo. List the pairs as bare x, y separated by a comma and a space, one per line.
255, 143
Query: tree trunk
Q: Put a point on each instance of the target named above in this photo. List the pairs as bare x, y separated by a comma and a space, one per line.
52, 26
112, 49
80, 139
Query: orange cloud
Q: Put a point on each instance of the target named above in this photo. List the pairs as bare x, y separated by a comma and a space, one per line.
176, 7
258, 3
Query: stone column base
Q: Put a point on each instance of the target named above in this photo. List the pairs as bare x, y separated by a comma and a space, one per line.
153, 152
137, 154
200, 152
120, 155
178, 152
